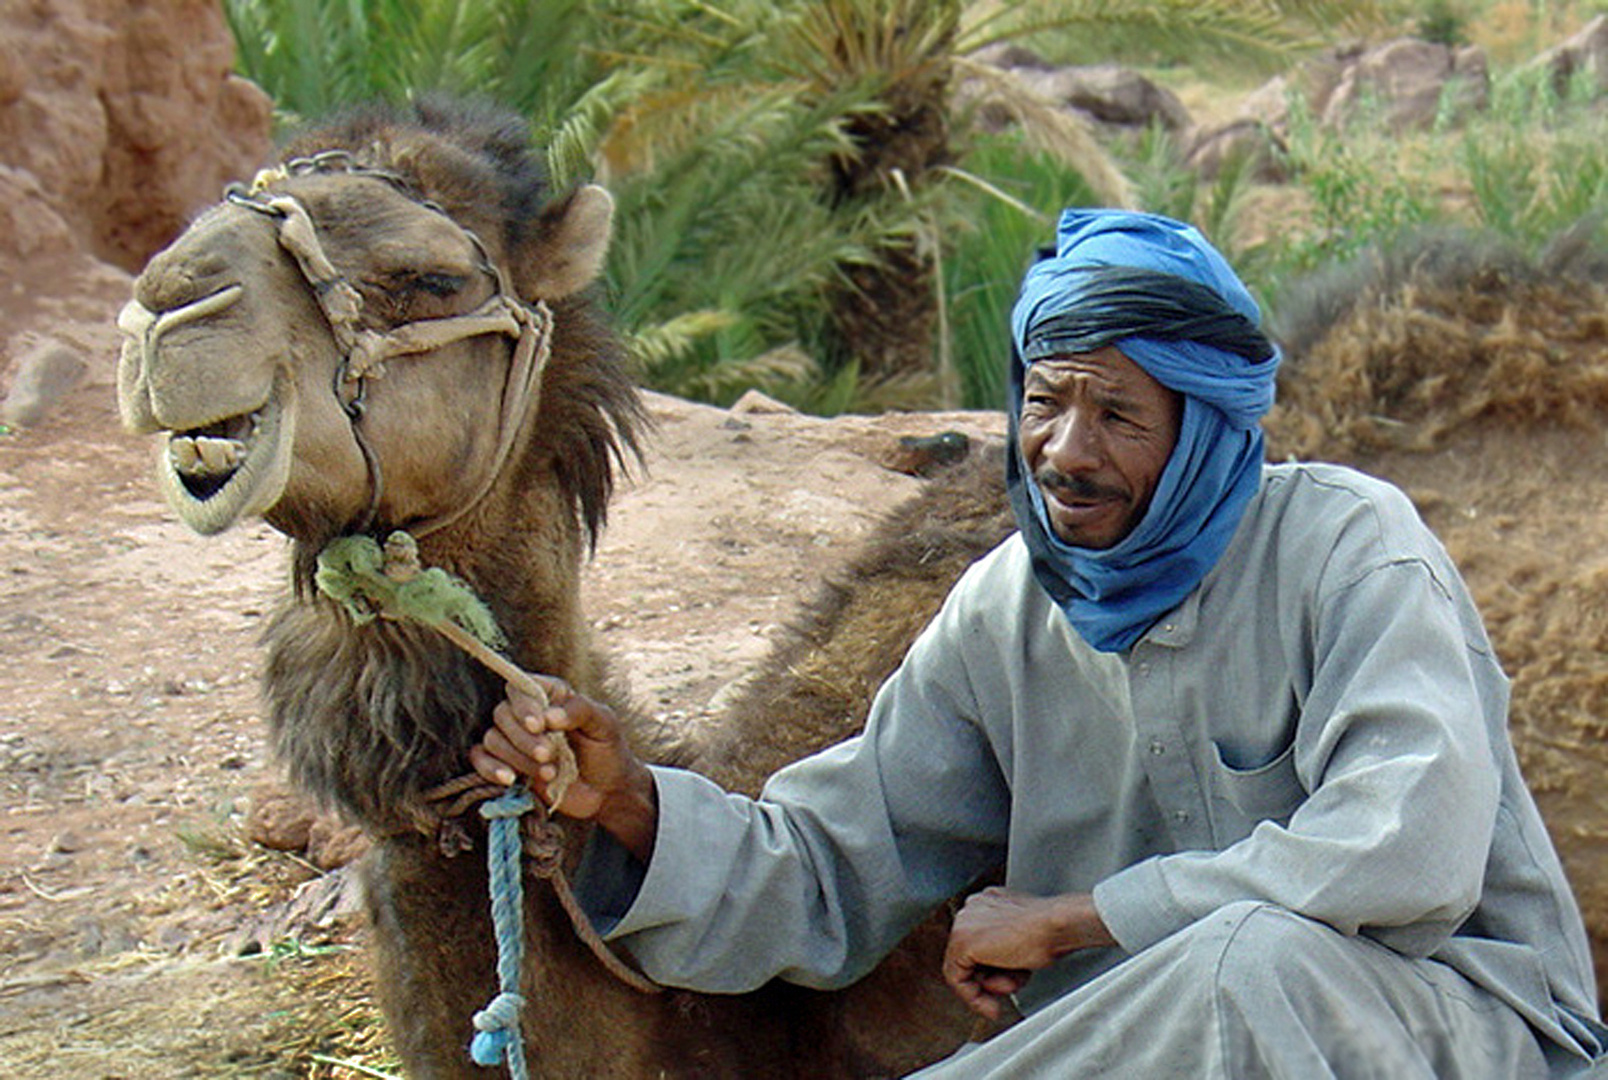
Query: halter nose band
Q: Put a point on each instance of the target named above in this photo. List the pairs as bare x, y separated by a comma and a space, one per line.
364, 351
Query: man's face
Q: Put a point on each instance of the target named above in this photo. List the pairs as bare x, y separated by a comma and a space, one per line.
1096, 432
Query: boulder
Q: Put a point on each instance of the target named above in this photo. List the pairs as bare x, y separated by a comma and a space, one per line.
1583, 56
1407, 84
30, 227
1108, 93
120, 120
43, 377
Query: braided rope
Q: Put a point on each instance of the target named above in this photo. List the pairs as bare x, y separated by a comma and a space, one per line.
497, 1035
544, 848
544, 845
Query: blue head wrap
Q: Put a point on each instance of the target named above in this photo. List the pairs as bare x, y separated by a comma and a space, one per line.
1155, 289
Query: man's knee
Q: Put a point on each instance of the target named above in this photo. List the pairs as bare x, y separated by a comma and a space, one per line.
1247, 948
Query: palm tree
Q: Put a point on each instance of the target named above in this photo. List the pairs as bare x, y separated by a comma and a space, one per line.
790, 173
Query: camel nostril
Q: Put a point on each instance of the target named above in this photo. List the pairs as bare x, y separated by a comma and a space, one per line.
174, 279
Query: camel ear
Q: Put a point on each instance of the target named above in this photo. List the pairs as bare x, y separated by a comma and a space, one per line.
567, 251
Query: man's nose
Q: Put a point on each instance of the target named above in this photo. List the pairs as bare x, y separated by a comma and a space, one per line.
1074, 444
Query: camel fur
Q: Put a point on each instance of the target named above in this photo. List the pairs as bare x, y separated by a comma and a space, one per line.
366, 718
231, 359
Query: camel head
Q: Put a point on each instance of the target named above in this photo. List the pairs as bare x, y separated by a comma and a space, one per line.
360, 338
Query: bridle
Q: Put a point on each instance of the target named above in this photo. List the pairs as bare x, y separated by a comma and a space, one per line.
364, 351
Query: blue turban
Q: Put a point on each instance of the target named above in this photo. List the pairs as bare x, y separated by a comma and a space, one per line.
1161, 294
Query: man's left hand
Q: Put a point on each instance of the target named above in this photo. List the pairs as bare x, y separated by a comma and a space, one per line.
1001, 936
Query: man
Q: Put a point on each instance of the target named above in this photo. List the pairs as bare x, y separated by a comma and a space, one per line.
1234, 731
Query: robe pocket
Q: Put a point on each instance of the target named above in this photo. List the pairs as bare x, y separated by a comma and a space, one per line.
1270, 791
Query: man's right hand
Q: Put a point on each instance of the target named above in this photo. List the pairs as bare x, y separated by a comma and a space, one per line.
614, 787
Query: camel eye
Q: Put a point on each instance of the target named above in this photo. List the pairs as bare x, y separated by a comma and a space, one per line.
441, 286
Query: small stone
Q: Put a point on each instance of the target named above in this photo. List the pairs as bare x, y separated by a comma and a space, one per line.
279, 820
43, 378
923, 455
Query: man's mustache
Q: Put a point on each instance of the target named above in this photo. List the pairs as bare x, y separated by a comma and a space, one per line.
1075, 487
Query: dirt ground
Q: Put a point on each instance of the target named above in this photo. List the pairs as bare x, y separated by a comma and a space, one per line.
131, 737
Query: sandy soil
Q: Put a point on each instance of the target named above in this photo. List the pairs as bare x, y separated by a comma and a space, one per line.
131, 736
131, 740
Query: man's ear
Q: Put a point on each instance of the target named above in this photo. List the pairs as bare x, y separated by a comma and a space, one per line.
566, 250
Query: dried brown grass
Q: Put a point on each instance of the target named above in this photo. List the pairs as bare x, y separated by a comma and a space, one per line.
1407, 365
1478, 382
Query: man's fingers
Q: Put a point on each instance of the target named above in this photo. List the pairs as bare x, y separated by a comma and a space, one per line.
557, 690
531, 743
977, 998
516, 757
984, 988
1000, 982
490, 768
564, 710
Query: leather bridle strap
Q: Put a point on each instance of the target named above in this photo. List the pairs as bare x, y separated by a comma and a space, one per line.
365, 351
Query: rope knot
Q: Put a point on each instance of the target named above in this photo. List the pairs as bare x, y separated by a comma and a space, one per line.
516, 802
496, 1028
544, 845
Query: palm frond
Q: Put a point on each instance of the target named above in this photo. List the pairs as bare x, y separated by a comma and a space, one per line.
657, 347
1052, 128
1261, 32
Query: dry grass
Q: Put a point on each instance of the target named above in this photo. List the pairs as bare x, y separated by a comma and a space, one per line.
1419, 354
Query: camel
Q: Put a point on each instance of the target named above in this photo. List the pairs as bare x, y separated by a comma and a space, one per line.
393, 330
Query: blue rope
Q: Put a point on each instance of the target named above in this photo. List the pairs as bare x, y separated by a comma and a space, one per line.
497, 1025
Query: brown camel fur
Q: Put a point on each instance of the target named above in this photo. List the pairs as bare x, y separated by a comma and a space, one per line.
367, 717
232, 358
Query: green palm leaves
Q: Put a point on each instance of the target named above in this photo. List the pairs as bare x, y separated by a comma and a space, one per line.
793, 177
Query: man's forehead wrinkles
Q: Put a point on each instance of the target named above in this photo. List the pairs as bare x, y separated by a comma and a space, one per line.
1061, 373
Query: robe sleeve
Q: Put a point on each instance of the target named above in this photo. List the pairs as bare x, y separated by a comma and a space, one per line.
839, 857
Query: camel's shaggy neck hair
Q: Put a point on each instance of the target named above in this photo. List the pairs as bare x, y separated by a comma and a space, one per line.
409, 705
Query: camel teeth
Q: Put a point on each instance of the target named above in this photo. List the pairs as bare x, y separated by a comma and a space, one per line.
183, 454
203, 455
219, 455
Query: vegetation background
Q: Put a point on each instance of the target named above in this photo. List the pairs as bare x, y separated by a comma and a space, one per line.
808, 207
809, 204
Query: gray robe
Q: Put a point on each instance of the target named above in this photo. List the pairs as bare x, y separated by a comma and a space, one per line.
1320, 728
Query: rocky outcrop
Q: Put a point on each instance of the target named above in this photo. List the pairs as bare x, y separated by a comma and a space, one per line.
1584, 57
117, 121
1408, 84
1405, 84
1109, 94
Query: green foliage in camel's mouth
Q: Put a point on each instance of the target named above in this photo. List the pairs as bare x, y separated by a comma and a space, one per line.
237, 467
